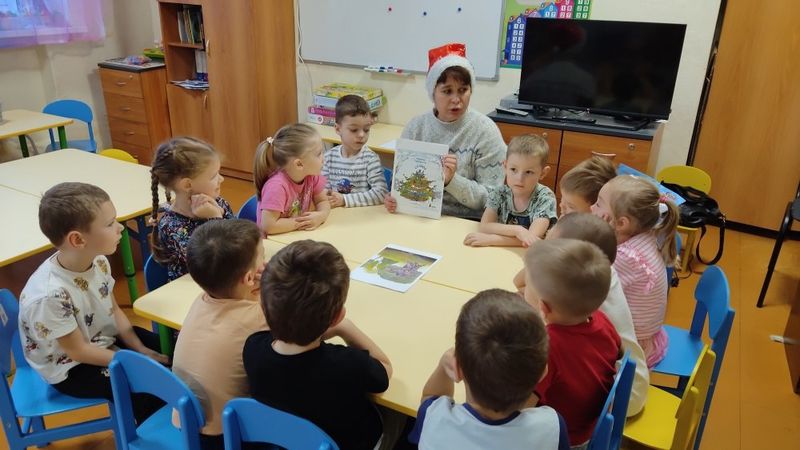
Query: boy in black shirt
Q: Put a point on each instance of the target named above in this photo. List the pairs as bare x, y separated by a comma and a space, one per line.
303, 291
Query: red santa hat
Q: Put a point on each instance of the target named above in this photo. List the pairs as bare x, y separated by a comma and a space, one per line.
444, 57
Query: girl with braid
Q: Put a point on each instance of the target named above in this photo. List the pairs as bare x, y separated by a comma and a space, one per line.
189, 168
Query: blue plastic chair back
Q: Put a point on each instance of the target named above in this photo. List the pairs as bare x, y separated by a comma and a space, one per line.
132, 372
713, 296
74, 109
30, 397
249, 210
387, 173
248, 420
607, 434
155, 275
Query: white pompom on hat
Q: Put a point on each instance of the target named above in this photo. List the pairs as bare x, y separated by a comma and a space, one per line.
444, 57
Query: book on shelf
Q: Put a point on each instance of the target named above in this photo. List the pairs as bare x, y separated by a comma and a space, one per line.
320, 119
330, 102
201, 64
190, 25
328, 112
337, 90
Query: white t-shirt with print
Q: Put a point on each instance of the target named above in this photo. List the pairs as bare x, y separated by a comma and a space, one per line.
54, 303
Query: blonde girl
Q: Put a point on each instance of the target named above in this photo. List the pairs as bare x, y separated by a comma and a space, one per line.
289, 187
632, 206
189, 168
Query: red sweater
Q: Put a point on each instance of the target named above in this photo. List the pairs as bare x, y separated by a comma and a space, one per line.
580, 372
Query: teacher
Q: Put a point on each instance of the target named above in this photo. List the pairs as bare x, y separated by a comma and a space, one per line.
475, 160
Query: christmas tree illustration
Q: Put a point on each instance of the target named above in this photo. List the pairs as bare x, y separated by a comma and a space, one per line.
417, 187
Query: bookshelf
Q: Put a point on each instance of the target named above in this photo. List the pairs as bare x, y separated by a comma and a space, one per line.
247, 51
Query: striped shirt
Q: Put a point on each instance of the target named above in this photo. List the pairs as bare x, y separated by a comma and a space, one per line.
358, 178
641, 271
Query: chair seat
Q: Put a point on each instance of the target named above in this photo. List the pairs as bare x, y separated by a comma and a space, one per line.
157, 432
35, 397
655, 425
682, 353
82, 144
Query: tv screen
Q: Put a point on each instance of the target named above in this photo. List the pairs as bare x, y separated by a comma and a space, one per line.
607, 67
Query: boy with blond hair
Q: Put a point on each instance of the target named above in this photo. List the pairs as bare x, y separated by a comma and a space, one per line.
519, 212
568, 280
581, 184
501, 354
69, 322
304, 288
225, 258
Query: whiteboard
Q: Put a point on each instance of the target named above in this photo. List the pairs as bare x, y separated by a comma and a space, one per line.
399, 33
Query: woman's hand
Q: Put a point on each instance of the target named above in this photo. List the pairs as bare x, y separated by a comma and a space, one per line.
450, 163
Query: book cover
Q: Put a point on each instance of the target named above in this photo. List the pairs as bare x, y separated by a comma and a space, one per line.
320, 119
624, 169
395, 267
328, 112
337, 90
418, 178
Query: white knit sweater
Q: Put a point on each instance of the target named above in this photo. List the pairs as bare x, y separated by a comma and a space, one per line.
479, 147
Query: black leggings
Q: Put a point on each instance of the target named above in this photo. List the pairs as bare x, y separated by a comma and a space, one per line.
88, 381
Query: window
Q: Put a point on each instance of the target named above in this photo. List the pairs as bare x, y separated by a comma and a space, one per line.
25, 23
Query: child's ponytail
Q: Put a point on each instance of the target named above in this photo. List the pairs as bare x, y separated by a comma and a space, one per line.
289, 142
665, 231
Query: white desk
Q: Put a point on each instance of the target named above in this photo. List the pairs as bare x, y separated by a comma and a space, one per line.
19, 122
413, 328
21, 236
359, 233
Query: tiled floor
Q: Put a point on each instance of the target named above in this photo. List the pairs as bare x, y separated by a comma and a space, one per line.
753, 407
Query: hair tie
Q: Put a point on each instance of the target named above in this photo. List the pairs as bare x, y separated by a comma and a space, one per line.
269, 140
663, 198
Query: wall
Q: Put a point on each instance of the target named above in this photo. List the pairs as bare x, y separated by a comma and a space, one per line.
407, 97
34, 76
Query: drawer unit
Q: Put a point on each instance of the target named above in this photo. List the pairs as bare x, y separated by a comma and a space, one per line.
136, 106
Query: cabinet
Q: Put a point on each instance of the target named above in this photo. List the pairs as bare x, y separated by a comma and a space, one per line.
136, 104
250, 61
571, 144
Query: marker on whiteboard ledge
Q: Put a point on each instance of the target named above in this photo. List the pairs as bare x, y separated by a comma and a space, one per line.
386, 69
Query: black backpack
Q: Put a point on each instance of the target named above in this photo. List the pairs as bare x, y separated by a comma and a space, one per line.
698, 211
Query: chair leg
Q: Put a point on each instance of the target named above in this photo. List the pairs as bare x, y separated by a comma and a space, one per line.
785, 227
37, 426
688, 249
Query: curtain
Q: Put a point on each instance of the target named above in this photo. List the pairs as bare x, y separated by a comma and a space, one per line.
25, 23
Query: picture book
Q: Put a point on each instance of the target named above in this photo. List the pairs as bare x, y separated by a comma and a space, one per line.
623, 169
337, 90
418, 178
395, 267
330, 102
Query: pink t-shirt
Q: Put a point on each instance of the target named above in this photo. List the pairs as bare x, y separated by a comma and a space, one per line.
642, 274
282, 194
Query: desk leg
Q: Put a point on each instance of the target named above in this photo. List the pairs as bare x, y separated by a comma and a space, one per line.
165, 337
127, 264
23, 145
62, 137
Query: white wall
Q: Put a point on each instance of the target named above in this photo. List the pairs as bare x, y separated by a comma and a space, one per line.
31, 77
407, 97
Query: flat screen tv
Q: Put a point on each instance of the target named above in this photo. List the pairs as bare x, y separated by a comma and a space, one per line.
625, 69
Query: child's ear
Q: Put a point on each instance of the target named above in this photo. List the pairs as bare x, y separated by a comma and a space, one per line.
623, 223
546, 310
75, 239
544, 373
337, 128
545, 171
505, 164
250, 278
339, 317
298, 163
459, 372
184, 184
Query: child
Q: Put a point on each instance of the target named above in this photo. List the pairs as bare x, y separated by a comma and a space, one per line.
568, 280
188, 167
519, 212
590, 228
581, 184
474, 163
632, 206
500, 353
290, 190
354, 172
69, 323
304, 288
226, 259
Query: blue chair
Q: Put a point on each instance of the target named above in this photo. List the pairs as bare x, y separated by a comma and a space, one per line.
712, 296
247, 420
607, 434
132, 372
74, 109
30, 398
387, 173
249, 209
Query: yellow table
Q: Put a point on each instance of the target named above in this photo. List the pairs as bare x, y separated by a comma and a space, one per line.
19, 122
381, 136
360, 233
127, 184
413, 328
21, 236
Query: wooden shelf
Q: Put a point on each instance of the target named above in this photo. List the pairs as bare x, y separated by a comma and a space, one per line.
186, 45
